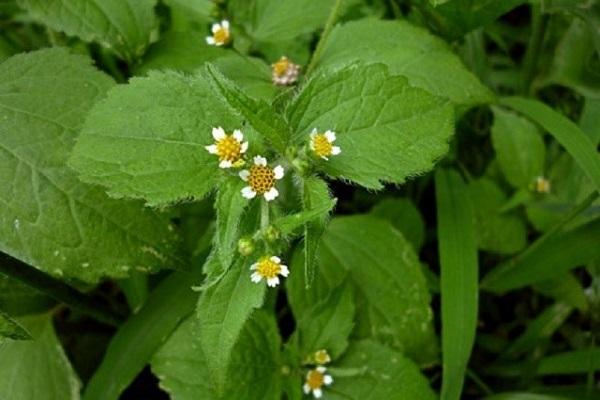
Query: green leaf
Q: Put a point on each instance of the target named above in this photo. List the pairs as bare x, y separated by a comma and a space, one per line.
405, 217
315, 195
459, 279
381, 373
496, 232
11, 329
391, 296
38, 368
280, 20
388, 131
125, 26
510, 135
230, 206
49, 219
18, 299
570, 362
222, 311
196, 10
524, 396
551, 258
564, 131
181, 364
146, 139
288, 224
142, 334
327, 325
565, 288
378, 41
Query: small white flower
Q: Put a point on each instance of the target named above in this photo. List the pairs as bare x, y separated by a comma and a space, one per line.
322, 357
220, 34
322, 144
268, 268
315, 380
284, 72
261, 179
542, 185
229, 148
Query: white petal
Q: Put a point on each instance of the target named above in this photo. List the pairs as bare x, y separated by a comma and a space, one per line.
272, 282
278, 171
284, 270
210, 40
328, 380
225, 24
306, 388
255, 277
259, 160
325, 158
330, 135
335, 150
321, 369
225, 164
276, 259
248, 193
317, 393
313, 133
312, 144
271, 194
212, 149
218, 133
244, 147
244, 174
253, 266
238, 135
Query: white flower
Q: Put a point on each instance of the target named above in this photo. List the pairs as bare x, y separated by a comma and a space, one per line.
284, 72
220, 34
322, 144
229, 148
268, 268
315, 379
261, 179
321, 357
542, 185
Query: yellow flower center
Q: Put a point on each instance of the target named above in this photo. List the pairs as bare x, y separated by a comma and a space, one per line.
267, 268
322, 357
315, 379
221, 35
321, 145
261, 179
281, 66
542, 185
229, 149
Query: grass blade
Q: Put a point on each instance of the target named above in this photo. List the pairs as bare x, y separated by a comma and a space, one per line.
459, 279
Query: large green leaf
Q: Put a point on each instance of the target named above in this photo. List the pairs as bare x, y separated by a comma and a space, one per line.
426, 60
511, 134
181, 364
388, 131
146, 139
125, 26
38, 368
405, 217
459, 279
48, 218
222, 311
380, 373
392, 300
230, 207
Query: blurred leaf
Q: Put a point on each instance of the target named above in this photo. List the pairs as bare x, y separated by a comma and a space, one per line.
380, 373
38, 368
230, 206
125, 26
181, 364
388, 131
142, 334
49, 218
222, 311
18, 299
405, 217
399, 44
523, 396
571, 362
511, 135
565, 288
459, 279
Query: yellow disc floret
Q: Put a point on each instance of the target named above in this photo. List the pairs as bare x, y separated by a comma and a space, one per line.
281, 66
267, 268
261, 178
221, 35
321, 145
315, 379
229, 149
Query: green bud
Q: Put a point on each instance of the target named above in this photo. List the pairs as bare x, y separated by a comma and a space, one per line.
246, 246
272, 234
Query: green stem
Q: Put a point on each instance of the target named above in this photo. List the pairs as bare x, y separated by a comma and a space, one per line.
58, 290
264, 214
326, 32
475, 378
530, 63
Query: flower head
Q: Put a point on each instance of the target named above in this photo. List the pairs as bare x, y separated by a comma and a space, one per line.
229, 148
220, 34
542, 185
285, 72
261, 179
268, 268
321, 357
315, 380
322, 144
